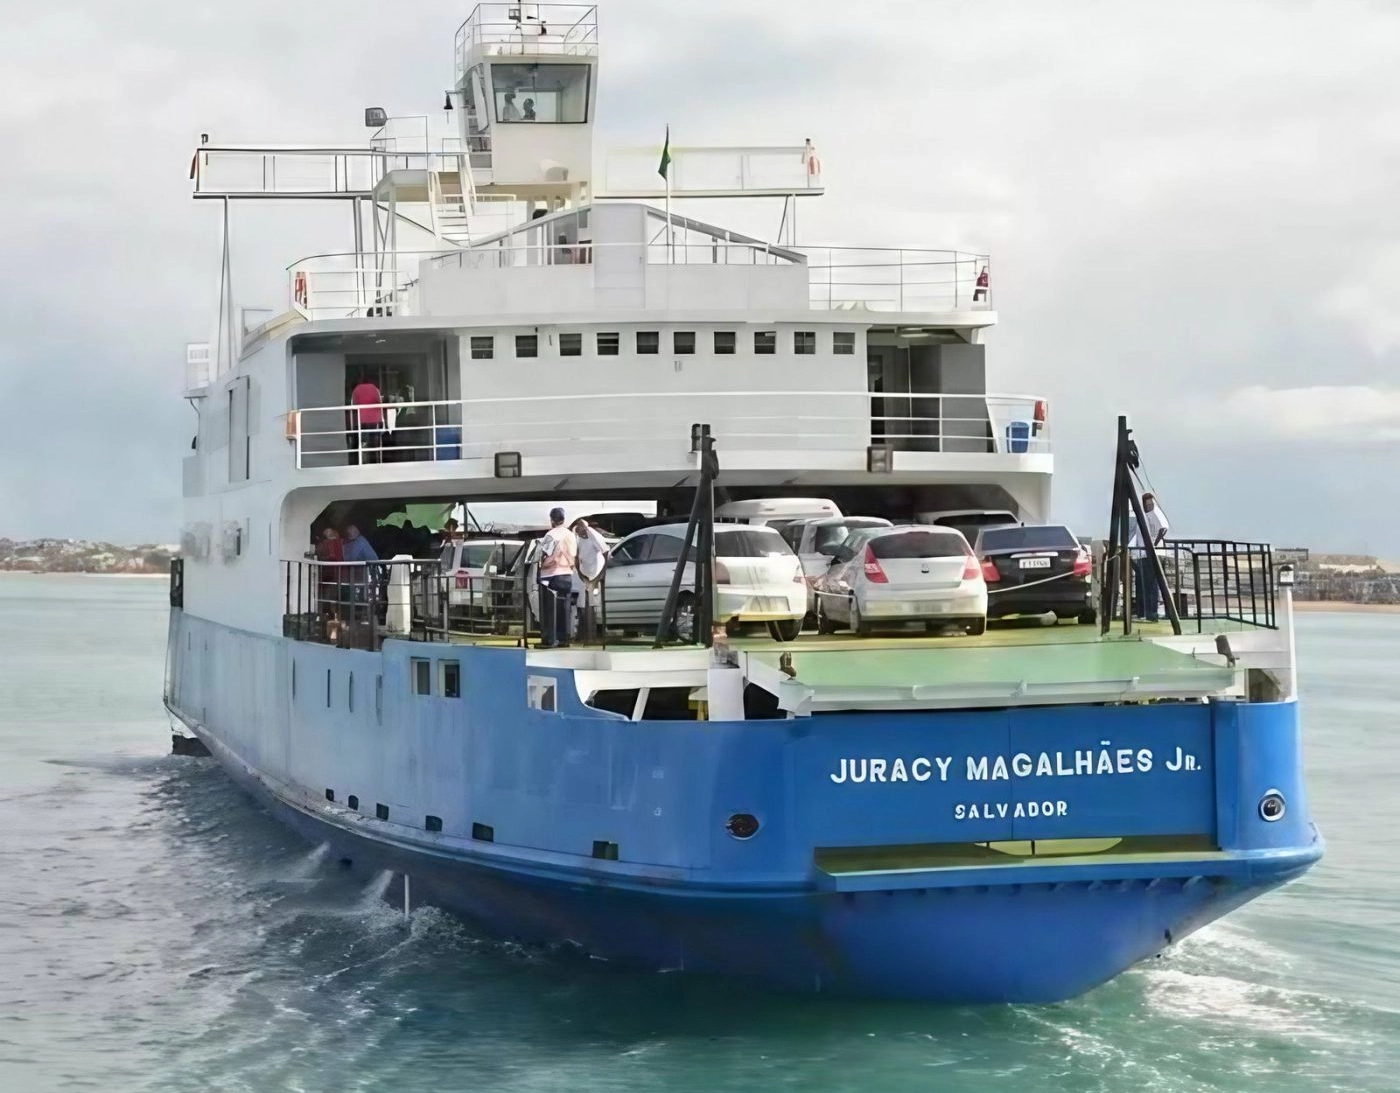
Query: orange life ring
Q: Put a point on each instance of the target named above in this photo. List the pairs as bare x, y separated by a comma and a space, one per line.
299, 288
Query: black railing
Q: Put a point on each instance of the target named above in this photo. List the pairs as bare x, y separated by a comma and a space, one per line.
1221, 579
356, 605
177, 582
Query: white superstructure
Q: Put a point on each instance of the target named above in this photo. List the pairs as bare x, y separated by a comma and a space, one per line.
536, 336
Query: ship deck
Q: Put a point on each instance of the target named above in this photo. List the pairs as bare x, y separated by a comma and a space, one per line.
1008, 665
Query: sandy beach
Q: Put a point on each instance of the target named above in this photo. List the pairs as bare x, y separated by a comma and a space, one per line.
1344, 607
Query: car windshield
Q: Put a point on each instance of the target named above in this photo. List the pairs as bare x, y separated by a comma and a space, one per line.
479, 555
1048, 537
749, 544
918, 544
831, 536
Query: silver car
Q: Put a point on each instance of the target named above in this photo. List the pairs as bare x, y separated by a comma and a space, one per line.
903, 574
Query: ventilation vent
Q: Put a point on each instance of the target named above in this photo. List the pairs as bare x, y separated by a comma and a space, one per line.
433, 823
605, 850
353, 802
330, 795
381, 812
483, 833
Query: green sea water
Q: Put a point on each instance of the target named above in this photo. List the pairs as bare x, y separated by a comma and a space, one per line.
158, 932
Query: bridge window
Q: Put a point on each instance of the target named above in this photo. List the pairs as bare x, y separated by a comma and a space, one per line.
765, 342
684, 342
483, 347
422, 676
527, 345
724, 343
571, 345
843, 343
540, 93
648, 342
804, 342
608, 345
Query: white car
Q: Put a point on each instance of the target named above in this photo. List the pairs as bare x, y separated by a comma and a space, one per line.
903, 574
777, 512
816, 541
467, 568
758, 579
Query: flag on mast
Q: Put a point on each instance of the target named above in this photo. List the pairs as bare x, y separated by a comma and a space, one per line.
664, 170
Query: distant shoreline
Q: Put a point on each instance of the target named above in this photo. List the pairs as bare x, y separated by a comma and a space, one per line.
1346, 607
80, 573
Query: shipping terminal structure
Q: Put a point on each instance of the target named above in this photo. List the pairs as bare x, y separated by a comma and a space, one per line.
1015, 814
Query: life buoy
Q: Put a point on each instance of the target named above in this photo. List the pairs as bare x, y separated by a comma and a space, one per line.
299, 288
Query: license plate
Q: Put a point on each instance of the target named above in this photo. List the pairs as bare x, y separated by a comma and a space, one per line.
934, 607
766, 604
1035, 563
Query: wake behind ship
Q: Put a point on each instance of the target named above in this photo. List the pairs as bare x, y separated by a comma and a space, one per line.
719, 773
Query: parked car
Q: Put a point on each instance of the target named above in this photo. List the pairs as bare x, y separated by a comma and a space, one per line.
776, 512
1034, 569
758, 579
816, 541
469, 568
968, 521
903, 574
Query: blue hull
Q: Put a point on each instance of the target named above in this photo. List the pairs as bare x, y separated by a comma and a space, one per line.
303, 727
1025, 942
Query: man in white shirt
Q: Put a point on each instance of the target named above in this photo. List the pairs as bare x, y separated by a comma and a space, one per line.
558, 557
592, 558
1144, 572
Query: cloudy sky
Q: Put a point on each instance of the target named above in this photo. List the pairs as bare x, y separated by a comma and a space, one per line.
1191, 209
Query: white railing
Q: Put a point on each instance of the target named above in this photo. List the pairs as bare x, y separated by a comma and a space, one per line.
565, 30
656, 425
303, 172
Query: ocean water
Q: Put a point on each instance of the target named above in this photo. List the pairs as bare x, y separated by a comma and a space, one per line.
159, 932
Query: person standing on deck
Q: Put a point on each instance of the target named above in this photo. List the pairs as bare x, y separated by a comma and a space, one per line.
358, 549
329, 549
1144, 572
368, 419
558, 557
592, 559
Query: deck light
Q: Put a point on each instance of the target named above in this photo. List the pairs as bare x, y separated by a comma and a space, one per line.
507, 464
879, 459
447, 100
742, 826
1285, 576
376, 117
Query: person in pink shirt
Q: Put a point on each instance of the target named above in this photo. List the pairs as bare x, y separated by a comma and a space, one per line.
368, 420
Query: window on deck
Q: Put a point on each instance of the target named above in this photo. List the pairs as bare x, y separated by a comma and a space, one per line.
546, 94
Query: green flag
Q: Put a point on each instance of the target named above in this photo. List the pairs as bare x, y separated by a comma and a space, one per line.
665, 156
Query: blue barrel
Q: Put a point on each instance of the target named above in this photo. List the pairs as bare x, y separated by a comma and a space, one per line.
1018, 437
447, 440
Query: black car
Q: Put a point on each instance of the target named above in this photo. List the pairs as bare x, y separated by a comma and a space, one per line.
1034, 569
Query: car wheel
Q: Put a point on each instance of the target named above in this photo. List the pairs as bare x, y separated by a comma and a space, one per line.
683, 629
785, 630
733, 628
1088, 617
858, 625
976, 627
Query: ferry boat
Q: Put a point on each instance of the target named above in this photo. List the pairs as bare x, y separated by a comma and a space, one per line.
1015, 815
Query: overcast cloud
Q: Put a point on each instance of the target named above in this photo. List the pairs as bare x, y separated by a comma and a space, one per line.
1190, 210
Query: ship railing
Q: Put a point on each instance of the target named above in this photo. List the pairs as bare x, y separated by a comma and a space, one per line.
357, 605
1213, 579
566, 30
264, 171
648, 423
